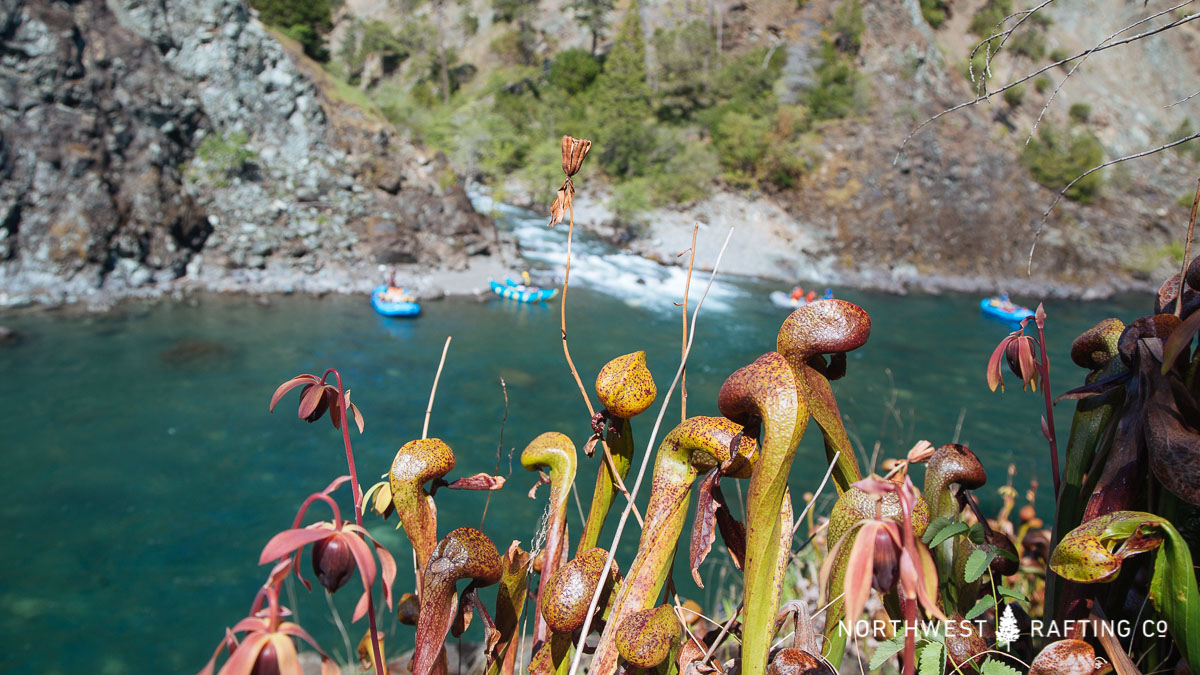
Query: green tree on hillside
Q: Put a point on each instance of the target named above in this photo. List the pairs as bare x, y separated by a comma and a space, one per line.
306, 21
622, 102
593, 14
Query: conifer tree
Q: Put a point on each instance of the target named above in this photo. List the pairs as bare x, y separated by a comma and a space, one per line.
622, 101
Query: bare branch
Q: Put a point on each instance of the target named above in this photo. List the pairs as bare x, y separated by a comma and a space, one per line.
1183, 100
1030, 76
1062, 193
1079, 63
1004, 36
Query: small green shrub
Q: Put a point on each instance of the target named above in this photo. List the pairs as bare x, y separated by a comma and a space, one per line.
687, 176
630, 199
935, 12
741, 142
848, 26
1042, 84
1028, 43
470, 23
225, 156
573, 70
840, 91
1057, 157
1058, 54
1014, 96
989, 16
1080, 112
305, 21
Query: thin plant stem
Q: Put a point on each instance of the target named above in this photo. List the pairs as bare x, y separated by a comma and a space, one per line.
499, 450
809, 505
337, 621
562, 326
687, 286
433, 391
724, 631
357, 490
1051, 438
562, 314
1187, 251
637, 484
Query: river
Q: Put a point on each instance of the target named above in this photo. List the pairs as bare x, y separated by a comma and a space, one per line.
145, 474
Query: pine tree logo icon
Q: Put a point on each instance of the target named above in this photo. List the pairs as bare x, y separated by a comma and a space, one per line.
1007, 633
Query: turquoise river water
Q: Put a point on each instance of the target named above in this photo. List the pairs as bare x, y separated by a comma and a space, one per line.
144, 474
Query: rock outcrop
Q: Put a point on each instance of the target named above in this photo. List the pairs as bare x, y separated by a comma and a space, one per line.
148, 146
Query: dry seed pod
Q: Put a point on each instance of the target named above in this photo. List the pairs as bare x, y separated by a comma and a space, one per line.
574, 151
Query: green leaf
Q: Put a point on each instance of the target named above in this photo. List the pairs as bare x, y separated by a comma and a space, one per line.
1005, 553
985, 603
977, 564
947, 532
930, 659
936, 525
993, 667
1173, 589
1013, 593
886, 651
976, 533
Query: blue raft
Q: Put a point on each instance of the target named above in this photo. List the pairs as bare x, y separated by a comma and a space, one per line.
1004, 309
408, 307
513, 291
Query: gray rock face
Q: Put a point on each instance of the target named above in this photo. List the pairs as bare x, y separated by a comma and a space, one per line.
242, 77
93, 129
146, 145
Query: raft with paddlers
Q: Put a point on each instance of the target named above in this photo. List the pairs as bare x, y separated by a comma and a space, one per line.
1000, 307
512, 290
393, 301
798, 298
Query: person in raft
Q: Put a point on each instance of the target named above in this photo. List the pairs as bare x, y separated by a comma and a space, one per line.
797, 293
393, 293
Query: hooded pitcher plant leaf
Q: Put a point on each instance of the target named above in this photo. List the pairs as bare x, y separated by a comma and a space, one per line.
766, 394
697, 444
464, 553
1095, 551
832, 327
626, 389
568, 592
645, 638
555, 452
416, 464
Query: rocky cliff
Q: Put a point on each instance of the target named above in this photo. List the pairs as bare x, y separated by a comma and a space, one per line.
149, 146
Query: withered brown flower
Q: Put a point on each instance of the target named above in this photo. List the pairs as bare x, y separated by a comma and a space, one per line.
574, 150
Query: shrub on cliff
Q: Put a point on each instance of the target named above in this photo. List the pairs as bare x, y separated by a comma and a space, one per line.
1057, 157
306, 21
